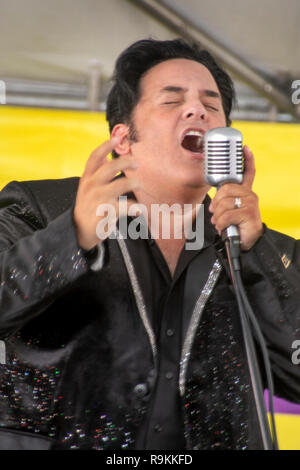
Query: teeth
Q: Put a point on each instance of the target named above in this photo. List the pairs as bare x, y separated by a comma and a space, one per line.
196, 133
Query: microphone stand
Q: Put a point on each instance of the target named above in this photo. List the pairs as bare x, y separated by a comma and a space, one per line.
232, 244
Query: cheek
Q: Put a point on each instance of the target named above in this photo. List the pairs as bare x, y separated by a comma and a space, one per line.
156, 139
154, 142
222, 120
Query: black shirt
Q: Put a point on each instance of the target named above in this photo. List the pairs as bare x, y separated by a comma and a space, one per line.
170, 314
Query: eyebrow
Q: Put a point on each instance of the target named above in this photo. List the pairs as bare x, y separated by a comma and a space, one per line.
173, 89
178, 89
212, 94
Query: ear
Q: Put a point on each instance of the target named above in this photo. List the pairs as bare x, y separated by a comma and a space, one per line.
122, 132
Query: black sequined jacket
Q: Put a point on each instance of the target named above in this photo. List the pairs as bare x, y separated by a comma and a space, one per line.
77, 351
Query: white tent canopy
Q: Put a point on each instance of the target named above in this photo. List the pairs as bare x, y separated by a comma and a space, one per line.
53, 51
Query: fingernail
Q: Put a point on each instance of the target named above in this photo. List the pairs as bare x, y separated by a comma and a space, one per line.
210, 208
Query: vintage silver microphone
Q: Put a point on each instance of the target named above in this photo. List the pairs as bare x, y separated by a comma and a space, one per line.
224, 162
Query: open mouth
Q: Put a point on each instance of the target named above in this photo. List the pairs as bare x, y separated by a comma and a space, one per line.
193, 141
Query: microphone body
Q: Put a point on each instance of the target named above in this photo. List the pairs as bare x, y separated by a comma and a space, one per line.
224, 162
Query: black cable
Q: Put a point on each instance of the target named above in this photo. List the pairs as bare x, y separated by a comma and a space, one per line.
246, 314
266, 360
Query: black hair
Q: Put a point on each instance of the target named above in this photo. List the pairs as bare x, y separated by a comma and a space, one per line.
142, 55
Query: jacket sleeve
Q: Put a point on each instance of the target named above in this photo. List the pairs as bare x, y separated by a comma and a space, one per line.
271, 274
39, 258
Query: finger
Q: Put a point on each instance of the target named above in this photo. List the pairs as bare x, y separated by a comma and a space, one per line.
249, 173
122, 186
99, 155
230, 217
228, 190
228, 204
112, 168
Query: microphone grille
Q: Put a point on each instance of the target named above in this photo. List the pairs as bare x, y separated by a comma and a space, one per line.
224, 162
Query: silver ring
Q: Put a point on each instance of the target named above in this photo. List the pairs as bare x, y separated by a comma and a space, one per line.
237, 203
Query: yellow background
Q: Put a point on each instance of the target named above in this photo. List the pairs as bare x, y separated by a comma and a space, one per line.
39, 143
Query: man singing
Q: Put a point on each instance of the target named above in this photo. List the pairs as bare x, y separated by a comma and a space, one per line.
136, 343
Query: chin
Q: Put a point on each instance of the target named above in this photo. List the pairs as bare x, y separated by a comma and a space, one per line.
197, 184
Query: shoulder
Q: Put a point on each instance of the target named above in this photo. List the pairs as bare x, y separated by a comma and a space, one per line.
282, 241
51, 197
274, 246
43, 188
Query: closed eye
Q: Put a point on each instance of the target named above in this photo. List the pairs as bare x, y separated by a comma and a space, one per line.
209, 106
171, 102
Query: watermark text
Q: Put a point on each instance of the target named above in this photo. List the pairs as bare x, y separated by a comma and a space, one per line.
296, 353
2, 92
296, 93
163, 222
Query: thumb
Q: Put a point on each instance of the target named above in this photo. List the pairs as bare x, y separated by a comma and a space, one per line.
249, 173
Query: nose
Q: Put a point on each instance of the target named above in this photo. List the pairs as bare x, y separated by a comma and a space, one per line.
195, 110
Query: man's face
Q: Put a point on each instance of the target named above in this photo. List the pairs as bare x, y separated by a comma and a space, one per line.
179, 102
